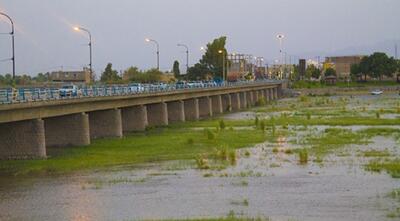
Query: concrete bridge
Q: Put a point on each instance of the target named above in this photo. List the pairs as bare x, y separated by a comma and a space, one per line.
26, 129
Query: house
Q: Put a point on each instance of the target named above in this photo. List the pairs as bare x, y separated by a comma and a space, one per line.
83, 76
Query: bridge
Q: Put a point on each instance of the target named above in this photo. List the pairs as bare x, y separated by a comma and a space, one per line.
27, 129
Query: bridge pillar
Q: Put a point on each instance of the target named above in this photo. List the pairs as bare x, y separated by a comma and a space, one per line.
235, 101
106, 123
191, 108
205, 107
217, 104
275, 91
134, 118
157, 114
226, 102
280, 90
22, 140
243, 100
268, 95
176, 111
68, 130
250, 98
256, 97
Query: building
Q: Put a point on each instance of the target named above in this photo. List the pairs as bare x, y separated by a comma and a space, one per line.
239, 65
342, 64
71, 76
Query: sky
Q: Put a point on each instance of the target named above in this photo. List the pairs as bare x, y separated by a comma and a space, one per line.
46, 41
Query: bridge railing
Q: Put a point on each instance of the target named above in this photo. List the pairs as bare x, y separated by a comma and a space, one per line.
23, 95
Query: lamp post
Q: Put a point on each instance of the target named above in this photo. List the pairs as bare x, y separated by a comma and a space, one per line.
187, 55
90, 49
158, 51
280, 38
222, 52
12, 33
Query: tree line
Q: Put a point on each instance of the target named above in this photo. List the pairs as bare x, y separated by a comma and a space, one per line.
375, 66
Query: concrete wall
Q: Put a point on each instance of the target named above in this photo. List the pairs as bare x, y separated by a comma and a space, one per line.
157, 114
107, 123
250, 98
22, 140
256, 97
270, 94
235, 101
176, 111
134, 118
216, 103
243, 100
205, 107
191, 107
275, 93
226, 102
69, 130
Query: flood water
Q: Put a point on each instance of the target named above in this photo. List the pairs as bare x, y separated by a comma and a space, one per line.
261, 184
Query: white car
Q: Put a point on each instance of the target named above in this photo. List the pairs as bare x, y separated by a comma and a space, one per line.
376, 92
136, 88
68, 91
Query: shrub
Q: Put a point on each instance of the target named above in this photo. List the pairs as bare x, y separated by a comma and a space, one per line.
262, 125
202, 162
261, 101
222, 124
210, 135
232, 157
303, 156
190, 141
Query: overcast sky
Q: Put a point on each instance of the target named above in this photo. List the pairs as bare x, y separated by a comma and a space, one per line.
45, 40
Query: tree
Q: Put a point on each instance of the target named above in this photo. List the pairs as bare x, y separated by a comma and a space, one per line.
355, 70
330, 72
364, 67
131, 74
175, 69
213, 57
376, 65
312, 72
109, 75
197, 72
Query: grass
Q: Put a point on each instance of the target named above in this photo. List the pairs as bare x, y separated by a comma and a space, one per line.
332, 139
376, 153
153, 146
303, 156
392, 167
229, 218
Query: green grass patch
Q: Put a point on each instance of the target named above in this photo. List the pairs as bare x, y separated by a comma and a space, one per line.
153, 146
392, 167
376, 153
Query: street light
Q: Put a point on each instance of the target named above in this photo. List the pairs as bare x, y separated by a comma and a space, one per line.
222, 52
158, 51
187, 55
90, 48
12, 41
280, 38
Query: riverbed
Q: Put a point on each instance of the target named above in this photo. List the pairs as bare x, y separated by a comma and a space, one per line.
266, 181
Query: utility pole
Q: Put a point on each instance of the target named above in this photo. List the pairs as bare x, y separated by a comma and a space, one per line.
395, 51
12, 33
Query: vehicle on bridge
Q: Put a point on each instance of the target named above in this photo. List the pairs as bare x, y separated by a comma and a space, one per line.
68, 91
136, 88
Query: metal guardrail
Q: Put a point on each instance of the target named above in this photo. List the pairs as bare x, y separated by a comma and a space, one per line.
24, 95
